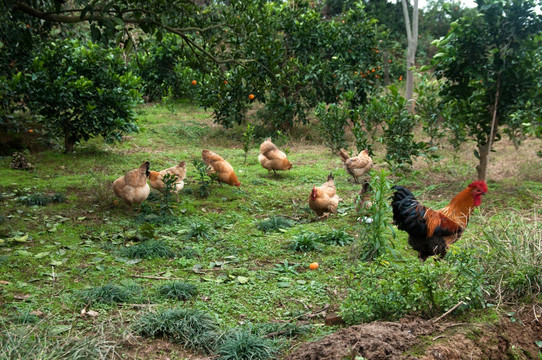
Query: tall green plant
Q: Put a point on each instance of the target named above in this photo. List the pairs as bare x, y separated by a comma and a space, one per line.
248, 140
376, 233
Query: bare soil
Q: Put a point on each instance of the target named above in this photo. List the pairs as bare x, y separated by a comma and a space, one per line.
414, 338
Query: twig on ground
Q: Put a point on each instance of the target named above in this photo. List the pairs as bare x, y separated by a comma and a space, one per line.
449, 311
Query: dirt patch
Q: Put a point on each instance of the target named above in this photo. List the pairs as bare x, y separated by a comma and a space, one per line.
377, 340
511, 337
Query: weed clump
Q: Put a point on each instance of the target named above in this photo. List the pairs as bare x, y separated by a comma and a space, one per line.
107, 294
275, 223
193, 329
178, 290
305, 242
149, 249
41, 199
243, 344
337, 237
199, 230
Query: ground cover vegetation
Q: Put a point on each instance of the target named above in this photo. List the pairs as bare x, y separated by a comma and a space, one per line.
252, 272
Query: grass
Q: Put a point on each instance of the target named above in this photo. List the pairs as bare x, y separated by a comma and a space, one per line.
246, 250
178, 290
148, 249
107, 294
193, 329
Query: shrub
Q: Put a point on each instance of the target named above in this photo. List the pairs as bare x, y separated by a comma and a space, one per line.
275, 223
178, 290
204, 181
193, 329
82, 91
149, 249
389, 290
242, 344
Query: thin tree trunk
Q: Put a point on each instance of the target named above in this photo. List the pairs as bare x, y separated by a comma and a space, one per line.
68, 143
485, 150
412, 36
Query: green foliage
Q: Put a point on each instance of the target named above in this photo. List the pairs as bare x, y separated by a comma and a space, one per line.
178, 290
337, 237
305, 242
488, 62
82, 91
41, 199
333, 119
193, 329
149, 249
285, 268
203, 179
376, 234
429, 107
242, 344
169, 181
301, 60
107, 294
166, 68
275, 223
248, 140
386, 290
200, 230
398, 135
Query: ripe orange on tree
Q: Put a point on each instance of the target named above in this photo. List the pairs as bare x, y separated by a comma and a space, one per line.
194, 82
251, 96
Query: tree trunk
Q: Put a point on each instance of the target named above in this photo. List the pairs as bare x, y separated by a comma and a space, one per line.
484, 150
481, 168
412, 36
68, 143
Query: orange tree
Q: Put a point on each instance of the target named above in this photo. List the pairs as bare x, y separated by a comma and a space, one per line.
490, 67
293, 60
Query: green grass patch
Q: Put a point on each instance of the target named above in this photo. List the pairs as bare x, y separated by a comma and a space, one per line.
148, 249
243, 344
193, 329
178, 290
275, 223
107, 294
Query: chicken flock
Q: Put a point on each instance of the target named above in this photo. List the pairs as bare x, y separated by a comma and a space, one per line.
431, 232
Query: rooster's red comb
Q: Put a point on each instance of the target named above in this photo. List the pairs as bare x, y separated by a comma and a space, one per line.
479, 184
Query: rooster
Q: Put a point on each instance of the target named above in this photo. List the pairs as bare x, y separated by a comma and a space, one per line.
178, 172
272, 158
324, 199
431, 232
357, 166
221, 167
133, 187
